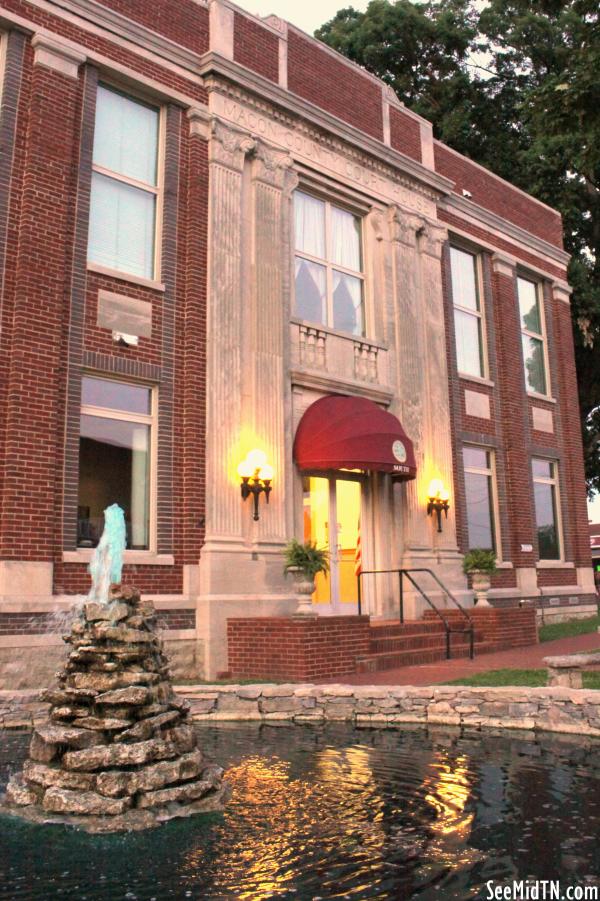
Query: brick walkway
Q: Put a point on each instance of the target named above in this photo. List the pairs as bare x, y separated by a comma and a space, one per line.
445, 670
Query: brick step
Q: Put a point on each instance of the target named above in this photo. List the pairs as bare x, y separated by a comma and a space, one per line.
374, 663
416, 627
418, 641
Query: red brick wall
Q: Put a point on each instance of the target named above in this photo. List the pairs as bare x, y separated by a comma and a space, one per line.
184, 22
255, 47
33, 449
498, 196
295, 649
509, 246
316, 75
405, 133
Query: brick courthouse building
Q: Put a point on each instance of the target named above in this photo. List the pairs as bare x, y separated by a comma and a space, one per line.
209, 223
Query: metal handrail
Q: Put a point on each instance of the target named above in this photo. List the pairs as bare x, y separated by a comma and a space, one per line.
470, 630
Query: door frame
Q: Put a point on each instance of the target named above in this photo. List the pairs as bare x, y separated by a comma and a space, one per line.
334, 608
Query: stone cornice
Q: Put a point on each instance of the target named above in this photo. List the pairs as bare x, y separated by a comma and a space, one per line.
467, 208
217, 70
117, 24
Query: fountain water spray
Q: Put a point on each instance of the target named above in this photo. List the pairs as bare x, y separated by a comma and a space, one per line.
119, 750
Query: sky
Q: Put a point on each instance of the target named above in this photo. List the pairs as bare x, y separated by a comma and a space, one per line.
309, 15
306, 14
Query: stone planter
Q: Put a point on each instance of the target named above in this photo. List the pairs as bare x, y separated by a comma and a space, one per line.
304, 587
481, 585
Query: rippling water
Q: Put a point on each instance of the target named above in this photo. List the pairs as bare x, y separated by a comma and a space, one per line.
337, 813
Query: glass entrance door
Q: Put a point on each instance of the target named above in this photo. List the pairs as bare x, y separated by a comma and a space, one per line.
332, 520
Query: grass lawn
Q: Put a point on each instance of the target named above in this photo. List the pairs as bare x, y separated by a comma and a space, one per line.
534, 678
567, 630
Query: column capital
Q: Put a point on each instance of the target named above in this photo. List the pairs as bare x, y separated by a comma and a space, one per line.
432, 238
274, 167
55, 54
403, 226
229, 146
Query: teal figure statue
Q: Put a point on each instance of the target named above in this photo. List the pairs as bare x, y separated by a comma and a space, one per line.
106, 564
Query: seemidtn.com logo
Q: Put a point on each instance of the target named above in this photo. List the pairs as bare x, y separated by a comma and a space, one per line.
541, 890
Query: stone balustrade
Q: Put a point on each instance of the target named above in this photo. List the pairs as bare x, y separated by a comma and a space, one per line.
550, 709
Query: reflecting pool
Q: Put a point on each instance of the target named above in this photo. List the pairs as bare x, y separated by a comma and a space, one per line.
337, 813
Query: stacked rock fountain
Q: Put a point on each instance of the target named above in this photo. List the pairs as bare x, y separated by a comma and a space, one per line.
118, 751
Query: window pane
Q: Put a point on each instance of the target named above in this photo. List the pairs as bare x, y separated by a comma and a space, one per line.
345, 239
114, 468
529, 306
479, 511
468, 343
476, 458
543, 469
347, 303
464, 278
310, 291
545, 514
122, 220
115, 395
533, 358
309, 215
126, 136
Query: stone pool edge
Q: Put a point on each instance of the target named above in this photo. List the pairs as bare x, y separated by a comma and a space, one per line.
553, 709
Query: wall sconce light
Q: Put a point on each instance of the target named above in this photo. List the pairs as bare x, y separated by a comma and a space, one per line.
256, 476
438, 500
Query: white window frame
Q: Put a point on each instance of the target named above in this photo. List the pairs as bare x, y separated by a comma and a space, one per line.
157, 190
537, 336
553, 481
479, 314
490, 473
330, 266
149, 419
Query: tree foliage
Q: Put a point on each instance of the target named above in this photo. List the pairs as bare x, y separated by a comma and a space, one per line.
514, 86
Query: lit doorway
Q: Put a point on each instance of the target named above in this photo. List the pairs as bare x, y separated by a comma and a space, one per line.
331, 511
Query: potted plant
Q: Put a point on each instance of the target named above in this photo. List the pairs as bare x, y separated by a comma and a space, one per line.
304, 561
480, 564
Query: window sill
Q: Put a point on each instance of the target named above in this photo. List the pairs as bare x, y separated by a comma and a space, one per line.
142, 558
554, 564
126, 277
535, 396
477, 379
504, 564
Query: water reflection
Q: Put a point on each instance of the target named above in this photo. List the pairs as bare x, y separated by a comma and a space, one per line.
337, 813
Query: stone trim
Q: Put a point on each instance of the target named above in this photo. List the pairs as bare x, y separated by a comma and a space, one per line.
75, 353
556, 709
11, 90
54, 54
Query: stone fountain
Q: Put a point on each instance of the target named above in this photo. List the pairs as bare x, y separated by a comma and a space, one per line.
118, 751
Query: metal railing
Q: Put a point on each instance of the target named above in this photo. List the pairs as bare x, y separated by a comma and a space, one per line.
448, 627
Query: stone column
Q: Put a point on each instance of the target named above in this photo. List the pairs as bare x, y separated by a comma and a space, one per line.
241, 567
422, 384
272, 183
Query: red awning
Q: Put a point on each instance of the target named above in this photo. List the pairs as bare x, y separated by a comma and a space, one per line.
339, 432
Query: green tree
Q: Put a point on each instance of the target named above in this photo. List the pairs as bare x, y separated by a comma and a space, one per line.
515, 87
